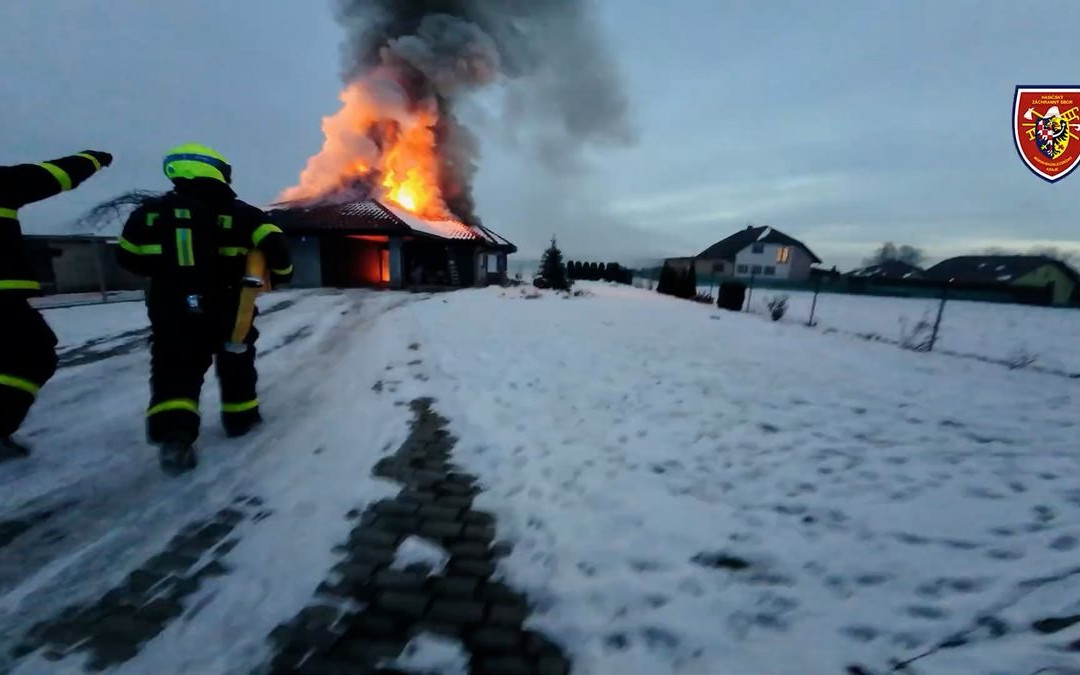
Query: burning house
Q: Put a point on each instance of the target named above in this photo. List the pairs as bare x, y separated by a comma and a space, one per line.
376, 243
388, 200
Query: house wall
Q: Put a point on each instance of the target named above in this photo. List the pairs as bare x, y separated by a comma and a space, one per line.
797, 267
466, 259
1064, 287
799, 264
495, 267
307, 262
707, 268
79, 266
397, 263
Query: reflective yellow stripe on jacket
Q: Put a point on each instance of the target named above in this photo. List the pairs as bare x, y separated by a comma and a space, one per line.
22, 384
145, 249
19, 285
59, 174
97, 164
264, 231
9, 213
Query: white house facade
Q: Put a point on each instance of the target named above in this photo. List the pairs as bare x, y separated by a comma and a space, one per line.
778, 261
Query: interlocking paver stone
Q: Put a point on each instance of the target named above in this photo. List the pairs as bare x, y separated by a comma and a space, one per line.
457, 611
394, 605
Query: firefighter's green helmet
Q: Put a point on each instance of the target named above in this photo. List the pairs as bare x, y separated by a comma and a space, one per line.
194, 160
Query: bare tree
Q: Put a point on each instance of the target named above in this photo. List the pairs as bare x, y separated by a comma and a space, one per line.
113, 211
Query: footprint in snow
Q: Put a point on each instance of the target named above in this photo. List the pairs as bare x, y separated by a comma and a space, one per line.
1005, 554
1064, 543
861, 633
928, 612
872, 579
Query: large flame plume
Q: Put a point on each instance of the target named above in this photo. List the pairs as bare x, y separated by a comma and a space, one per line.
410, 64
380, 140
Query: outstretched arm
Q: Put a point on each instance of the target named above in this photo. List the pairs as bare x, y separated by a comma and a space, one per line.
24, 184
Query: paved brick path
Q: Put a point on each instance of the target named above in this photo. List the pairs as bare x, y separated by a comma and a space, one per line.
462, 601
116, 626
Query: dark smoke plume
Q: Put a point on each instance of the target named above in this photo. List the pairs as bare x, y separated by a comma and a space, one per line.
563, 88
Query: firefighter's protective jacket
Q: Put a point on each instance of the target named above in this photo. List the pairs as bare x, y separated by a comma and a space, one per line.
194, 241
24, 184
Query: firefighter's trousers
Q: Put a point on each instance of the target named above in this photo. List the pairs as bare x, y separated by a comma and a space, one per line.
27, 360
181, 351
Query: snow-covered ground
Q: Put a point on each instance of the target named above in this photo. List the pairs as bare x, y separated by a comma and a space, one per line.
695, 491
109, 507
687, 490
1041, 336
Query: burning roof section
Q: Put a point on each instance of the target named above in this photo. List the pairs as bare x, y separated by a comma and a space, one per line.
374, 217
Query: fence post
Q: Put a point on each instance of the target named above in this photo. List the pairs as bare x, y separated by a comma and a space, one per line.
813, 306
940, 312
99, 268
750, 292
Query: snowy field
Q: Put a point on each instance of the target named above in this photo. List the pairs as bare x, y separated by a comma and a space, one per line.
686, 490
701, 492
1041, 336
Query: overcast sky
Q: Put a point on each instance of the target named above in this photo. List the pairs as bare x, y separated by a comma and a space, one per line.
844, 124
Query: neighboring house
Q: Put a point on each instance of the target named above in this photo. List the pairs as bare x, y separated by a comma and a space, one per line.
760, 252
368, 243
890, 270
78, 264
1032, 271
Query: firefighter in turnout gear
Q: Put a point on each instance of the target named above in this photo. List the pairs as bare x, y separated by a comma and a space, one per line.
27, 344
197, 244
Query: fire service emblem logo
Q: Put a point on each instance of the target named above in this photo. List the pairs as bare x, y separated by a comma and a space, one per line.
1046, 127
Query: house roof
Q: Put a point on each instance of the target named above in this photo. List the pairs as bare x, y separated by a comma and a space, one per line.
889, 269
994, 268
727, 249
374, 217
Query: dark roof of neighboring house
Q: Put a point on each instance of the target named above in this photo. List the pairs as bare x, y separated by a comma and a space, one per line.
890, 269
994, 268
374, 217
727, 249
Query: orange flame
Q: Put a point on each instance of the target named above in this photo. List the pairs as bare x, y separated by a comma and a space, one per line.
405, 163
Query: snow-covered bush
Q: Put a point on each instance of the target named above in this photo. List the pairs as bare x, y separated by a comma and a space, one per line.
1020, 358
919, 336
777, 306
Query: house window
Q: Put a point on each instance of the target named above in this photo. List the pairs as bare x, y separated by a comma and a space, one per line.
756, 269
758, 248
743, 269
783, 254
770, 271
